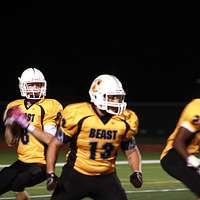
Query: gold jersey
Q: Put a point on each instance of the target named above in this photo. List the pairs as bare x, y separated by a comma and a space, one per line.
44, 112
189, 119
94, 143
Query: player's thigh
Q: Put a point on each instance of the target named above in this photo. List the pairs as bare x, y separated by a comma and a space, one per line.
30, 176
8, 173
7, 176
59, 194
38, 174
174, 164
118, 195
110, 188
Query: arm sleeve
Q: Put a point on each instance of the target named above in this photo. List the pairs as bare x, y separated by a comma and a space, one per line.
129, 144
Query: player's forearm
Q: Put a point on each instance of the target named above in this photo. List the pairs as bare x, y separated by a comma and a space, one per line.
180, 142
134, 159
51, 160
52, 152
181, 149
39, 134
9, 137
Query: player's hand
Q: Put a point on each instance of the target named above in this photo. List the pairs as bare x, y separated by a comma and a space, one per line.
15, 114
52, 181
193, 161
7, 116
136, 179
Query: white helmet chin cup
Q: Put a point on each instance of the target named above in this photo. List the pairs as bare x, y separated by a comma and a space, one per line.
29, 76
104, 86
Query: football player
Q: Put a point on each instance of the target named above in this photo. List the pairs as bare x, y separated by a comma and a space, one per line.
96, 131
179, 157
38, 118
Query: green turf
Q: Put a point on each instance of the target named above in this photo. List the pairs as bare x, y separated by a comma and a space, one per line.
156, 181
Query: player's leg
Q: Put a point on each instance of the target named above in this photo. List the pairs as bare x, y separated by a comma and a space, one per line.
175, 166
31, 175
7, 175
59, 194
72, 185
108, 187
22, 195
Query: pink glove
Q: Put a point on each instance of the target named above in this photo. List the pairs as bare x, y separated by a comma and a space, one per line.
15, 114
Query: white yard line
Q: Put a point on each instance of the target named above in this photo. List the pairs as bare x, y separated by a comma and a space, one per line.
122, 162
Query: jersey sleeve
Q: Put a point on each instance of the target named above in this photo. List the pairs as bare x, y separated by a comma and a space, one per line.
53, 110
69, 121
132, 122
191, 117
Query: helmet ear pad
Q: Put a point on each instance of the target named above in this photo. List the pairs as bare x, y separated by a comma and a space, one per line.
32, 76
102, 88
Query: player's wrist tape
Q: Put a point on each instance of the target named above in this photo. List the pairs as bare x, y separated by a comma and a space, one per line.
31, 128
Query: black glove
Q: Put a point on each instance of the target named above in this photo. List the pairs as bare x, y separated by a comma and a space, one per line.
52, 181
136, 179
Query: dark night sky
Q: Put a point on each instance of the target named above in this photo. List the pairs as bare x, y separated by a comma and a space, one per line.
71, 51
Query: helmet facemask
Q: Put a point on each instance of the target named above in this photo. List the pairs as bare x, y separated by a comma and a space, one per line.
107, 94
115, 105
32, 90
32, 84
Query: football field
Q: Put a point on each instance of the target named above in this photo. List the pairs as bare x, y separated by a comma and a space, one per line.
157, 184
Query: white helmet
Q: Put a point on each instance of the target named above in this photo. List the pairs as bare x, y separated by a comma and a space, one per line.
104, 87
29, 77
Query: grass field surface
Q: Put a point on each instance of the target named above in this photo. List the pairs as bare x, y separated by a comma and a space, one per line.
157, 184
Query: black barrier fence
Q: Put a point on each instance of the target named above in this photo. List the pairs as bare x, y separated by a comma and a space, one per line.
156, 120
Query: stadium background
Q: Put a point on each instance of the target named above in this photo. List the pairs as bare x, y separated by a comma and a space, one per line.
71, 45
